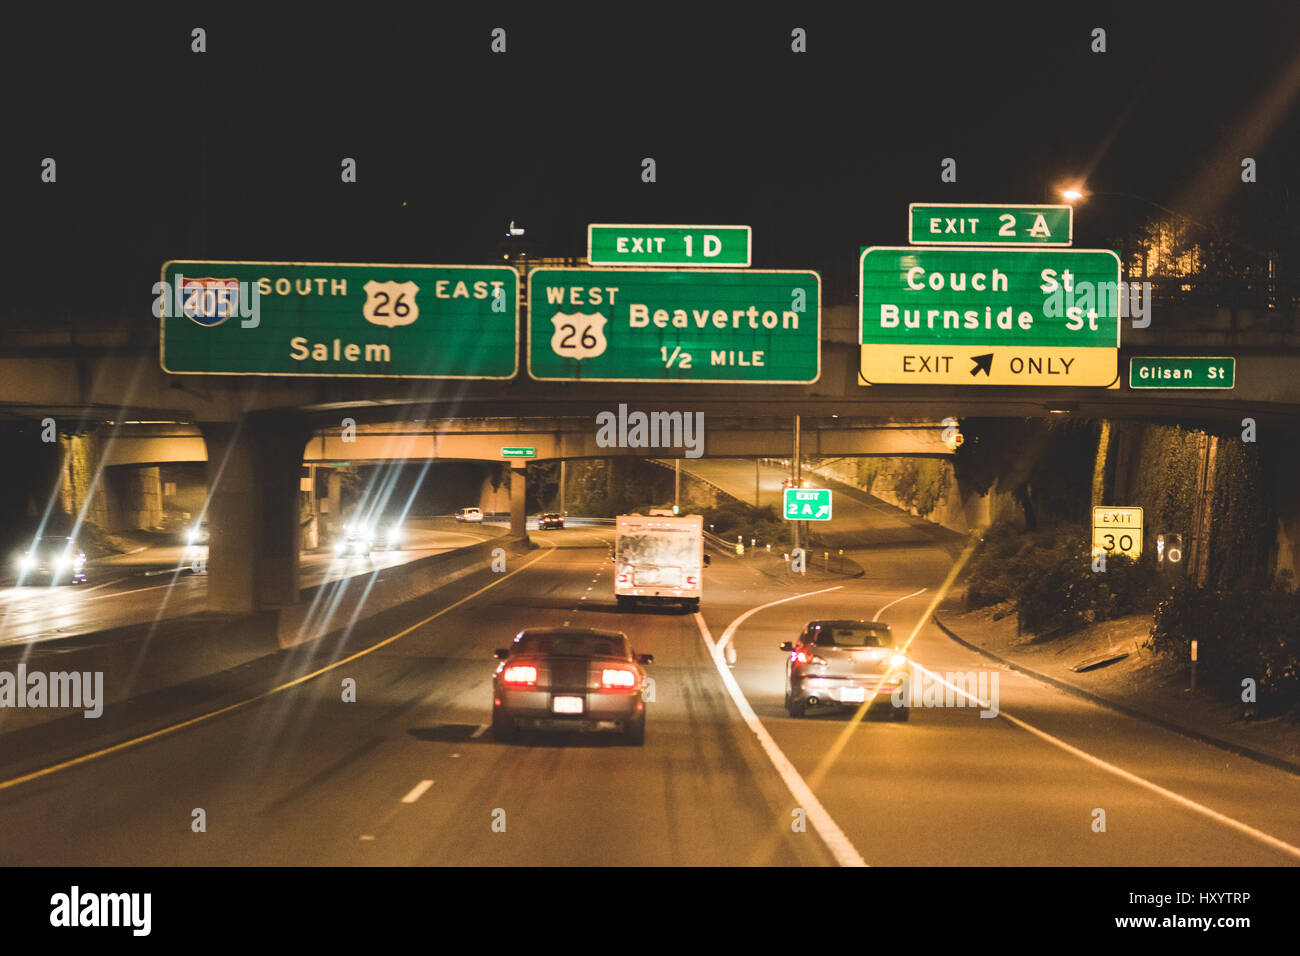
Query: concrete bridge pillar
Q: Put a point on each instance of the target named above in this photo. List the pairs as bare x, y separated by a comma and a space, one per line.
253, 479
518, 508
332, 503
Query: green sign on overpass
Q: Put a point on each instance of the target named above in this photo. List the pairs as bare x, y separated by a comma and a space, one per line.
610, 245
980, 224
335, 320
1147, 371
660, 325
989, 316
518, 452
807, 504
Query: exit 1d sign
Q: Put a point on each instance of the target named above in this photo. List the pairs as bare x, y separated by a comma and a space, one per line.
629, 245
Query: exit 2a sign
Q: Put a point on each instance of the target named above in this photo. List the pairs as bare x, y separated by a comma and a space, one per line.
984, 224
807, 504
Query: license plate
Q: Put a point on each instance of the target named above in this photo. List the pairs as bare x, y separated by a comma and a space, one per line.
567, 705
853, 695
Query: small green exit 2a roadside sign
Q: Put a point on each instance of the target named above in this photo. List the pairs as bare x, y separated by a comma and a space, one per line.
518, 452
807, 504
982, 224
632, 245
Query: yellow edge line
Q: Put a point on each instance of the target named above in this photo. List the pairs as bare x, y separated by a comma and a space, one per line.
86, 758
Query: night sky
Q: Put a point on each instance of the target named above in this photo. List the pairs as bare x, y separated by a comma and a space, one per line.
235, 153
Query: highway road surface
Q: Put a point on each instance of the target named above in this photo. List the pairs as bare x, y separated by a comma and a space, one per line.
410, 774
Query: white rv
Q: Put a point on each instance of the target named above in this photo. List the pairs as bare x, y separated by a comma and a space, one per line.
659, 557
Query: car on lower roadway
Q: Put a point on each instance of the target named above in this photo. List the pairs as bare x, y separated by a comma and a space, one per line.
469, 514
837, 664
569, 678
52, 558
550, 520
355, 541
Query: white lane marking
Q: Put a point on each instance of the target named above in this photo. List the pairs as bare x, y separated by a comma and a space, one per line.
1123, 774
482, 728
417, 791
895, 601
731, 628
841, 848
115, 594
367, 836
104, 585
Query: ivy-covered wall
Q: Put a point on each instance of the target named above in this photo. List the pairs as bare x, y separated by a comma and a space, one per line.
1159, 468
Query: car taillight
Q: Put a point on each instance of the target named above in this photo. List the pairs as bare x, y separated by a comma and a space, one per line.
520, 675
622, 579
618, 677
692, 580
801, 657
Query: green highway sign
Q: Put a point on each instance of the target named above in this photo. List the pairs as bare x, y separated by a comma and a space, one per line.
981, 224
931, 316
1146, 371
338, 319
518, 452
807, 504
614, 245
662, 325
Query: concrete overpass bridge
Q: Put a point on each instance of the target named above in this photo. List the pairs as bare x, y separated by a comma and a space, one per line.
255, 432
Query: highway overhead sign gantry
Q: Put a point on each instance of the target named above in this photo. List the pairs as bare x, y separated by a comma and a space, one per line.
1117, 530
807, 504
337, 319
935, 316
1150, 371
663, 325
983, 224
631, 245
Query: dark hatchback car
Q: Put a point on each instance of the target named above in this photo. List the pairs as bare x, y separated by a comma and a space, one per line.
841, 664
550, 520
53, 558
569, 678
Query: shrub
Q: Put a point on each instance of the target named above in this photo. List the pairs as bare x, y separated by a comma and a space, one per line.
731, 519
1049, 576
1245, 632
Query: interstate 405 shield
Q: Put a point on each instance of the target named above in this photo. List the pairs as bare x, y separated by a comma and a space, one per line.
336, 319
934, 316
664, 325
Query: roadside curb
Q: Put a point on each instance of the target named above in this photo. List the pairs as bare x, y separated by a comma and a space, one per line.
1278, 763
